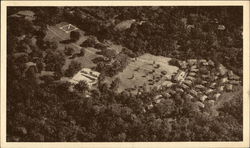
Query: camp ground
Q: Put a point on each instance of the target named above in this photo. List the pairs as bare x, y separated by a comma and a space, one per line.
147, 70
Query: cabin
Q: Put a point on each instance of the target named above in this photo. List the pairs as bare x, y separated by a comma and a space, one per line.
222, 70
203, 82
188, 96
193, 92
221, 88
216, 96
221, 27
184, 86
232, 76
194, 67
157, 99
203, 98
190, 78
212, 85
188, 82
210, 63
224, 80
204, 76
29, 66
194, 70
192, 74
234, 82
180, 76
180, 90
229, 87
199, 104
192, 62
208, 91
200, 87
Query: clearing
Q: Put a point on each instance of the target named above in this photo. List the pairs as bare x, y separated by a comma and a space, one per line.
145, 70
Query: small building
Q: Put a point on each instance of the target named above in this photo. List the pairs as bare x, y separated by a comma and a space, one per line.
190, 78
211, 102
192, 74
28, 66
221, 27
188, 96
166, 95
189, 27
204, 76
216, 96
193, 67
202, 60
205, 64
232, 76
208, 91
172, 92
86, 74
224, 80
234, 82
203, 98
212, 85
184, 86
180, 90
194, 70
180, 76
222, 70
203, 82
192, 62
229, 87
199, 104
193, 92
188, 82
210, 62
200, 87
221, 88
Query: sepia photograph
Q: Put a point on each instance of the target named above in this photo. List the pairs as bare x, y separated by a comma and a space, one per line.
125, 73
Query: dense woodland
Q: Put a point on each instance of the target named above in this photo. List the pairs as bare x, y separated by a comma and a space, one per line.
50, 112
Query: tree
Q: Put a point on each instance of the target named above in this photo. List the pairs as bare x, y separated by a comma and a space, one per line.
68, 51
82, 52
82, 86
74, 67
74, 35
115, 84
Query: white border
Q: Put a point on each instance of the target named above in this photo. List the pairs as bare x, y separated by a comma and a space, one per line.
246, 56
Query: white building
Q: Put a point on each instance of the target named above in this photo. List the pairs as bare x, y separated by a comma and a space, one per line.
86, 74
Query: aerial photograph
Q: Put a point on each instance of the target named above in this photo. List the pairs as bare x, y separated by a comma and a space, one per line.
124, 74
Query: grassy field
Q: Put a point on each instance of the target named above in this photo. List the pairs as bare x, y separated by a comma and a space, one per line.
56, 34
139, 72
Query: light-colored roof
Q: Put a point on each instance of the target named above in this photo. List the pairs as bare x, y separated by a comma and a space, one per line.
190, 78
188, 82
192, 61
192, 74
217, 95
87, 75
209, 91
203, 98
199, 104
193, 92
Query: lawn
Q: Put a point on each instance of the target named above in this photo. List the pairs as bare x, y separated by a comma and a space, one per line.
139, 72
56, 34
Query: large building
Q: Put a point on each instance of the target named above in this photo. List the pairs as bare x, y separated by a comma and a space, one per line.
86, 74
